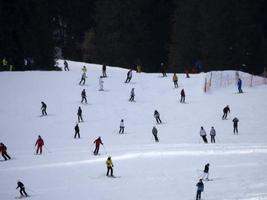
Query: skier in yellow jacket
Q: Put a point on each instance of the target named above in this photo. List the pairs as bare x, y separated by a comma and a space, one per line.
109, 166
175, 80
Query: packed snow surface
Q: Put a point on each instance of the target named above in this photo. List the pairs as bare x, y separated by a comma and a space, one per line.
168, 170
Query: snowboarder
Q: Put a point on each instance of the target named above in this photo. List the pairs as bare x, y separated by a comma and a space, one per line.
66, 66
104, 69
225, 112
203, 134
21, 187
84, 70
79, 113
97, 143
155, 133
239, 85
101, 84
206, 172
3, 150
77, 131
157, 116
235, 123
39, 143
129, 76
132, 95
121, 127
109, 166
182, 100
83, 94
43, 108
163, 69
82, 81
212, 135
200, 188
175, 80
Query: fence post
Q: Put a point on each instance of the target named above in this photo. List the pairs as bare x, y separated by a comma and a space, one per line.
251, 78
205, 85
221, 79
210, 79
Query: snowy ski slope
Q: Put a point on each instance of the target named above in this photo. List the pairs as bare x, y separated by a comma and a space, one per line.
145, 170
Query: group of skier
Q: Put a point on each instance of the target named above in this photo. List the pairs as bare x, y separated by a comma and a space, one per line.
40, 142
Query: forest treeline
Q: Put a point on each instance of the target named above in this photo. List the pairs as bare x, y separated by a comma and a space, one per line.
183, 34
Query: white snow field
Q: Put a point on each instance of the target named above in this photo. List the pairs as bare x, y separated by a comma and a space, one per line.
168, 170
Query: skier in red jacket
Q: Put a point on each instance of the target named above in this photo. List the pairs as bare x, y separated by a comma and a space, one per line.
3, 150
39, 143
97, 142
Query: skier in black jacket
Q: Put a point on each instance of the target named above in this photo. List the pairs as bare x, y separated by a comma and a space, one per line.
235, 123
225, 112
129, 76
43, 108
182, 96
206, 171
79, 113
83, 94
77, 131
155, 134
157, 116
200, 188
22, 189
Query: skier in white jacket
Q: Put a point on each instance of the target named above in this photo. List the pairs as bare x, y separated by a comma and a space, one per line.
121, 127
203, 134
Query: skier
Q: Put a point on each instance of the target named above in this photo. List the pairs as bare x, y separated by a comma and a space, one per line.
235, 123
82, 81
200, 188
39, 143
155, 133
97, 142
79, 113
121, 127
43, 108
84, 70
21, 187
212, 135
182, 100
163, 69
83, 94
203, 134
129, 76
157, 116
109, 166
104, 69
225, 112
175, 80
239, 85
77, 131
206, 172
187, 73
3, 150
66, 66
132, 95
101, 84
